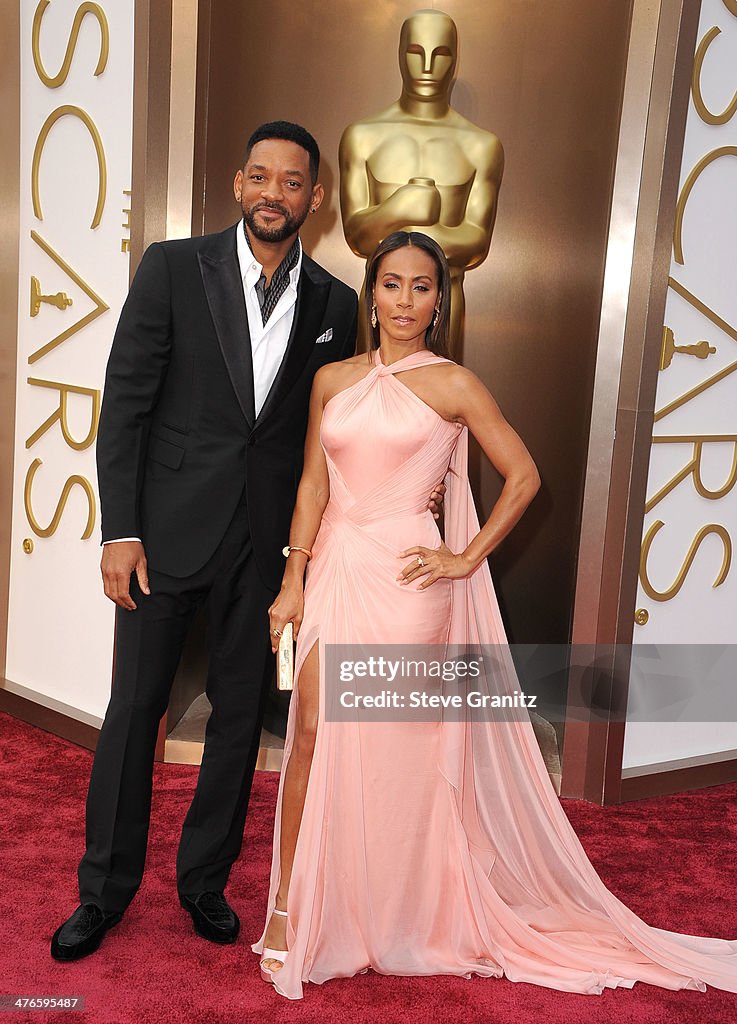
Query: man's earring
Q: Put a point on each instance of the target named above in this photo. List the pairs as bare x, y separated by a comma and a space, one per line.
238, 197
374, 321
313, 210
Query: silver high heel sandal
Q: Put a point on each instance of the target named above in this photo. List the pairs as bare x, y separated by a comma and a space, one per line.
267, 973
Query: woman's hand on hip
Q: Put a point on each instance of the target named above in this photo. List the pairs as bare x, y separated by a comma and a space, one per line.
434, 564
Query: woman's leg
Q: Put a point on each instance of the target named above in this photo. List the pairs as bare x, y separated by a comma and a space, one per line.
293, 795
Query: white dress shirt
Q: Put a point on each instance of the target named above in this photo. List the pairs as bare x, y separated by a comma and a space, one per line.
268, 341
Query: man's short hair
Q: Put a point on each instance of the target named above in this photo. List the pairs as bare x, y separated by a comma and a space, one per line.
290, 133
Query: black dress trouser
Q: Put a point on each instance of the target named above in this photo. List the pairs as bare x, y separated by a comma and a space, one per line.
149, 643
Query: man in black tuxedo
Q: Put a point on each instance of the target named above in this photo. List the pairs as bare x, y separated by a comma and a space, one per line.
199, 456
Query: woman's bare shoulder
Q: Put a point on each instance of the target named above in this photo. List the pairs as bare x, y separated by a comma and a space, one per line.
448, 374
459, 377
453, 389
334, 377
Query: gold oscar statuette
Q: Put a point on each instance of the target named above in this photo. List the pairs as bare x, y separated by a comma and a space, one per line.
61, 300
701, 349
419, 165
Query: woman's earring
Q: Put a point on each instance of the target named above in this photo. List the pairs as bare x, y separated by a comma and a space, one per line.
436, 317
374, 321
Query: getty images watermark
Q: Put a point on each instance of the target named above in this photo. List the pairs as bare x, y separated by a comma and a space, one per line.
420, 683
654, 683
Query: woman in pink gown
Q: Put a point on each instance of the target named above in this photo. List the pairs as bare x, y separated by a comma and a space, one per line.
415, 848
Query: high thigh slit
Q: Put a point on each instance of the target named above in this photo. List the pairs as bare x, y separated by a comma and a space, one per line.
297, 699
437, 847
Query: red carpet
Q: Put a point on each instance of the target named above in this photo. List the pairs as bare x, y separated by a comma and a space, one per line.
673, 860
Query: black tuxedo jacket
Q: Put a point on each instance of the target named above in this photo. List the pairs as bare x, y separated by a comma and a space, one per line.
178, 437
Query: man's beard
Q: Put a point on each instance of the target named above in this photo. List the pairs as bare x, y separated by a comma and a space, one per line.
278, 233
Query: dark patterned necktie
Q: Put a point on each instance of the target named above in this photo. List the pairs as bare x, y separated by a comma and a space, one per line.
268, 297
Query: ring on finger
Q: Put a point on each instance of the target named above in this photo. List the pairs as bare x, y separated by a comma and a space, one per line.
276, 632
419, 560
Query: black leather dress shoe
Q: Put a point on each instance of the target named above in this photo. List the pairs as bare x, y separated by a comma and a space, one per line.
82, 933
213, 917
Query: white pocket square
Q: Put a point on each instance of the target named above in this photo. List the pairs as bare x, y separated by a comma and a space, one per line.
327, 336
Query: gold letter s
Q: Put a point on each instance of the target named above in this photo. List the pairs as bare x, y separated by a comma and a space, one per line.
82, 12
703, 111
48, 531
666, 595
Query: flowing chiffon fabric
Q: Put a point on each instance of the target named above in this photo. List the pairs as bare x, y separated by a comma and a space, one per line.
437, 847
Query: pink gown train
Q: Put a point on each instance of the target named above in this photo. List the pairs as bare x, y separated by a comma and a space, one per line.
437, 847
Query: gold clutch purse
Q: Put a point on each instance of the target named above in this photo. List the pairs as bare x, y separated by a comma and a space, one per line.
285, 659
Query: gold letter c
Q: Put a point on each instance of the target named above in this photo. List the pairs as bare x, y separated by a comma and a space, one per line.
48, 124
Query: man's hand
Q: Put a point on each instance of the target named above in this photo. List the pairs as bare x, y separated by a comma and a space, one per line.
435, 504
119, 560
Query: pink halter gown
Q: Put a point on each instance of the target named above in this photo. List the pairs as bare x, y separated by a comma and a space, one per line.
437, 847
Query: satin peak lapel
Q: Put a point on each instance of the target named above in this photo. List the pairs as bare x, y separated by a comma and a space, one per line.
224, 289
312, 298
